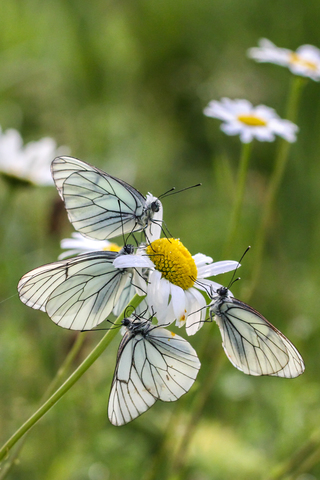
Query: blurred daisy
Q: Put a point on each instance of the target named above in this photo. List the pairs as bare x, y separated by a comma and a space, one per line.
175, 279
305, 61
29, 164
79, 244
241, 118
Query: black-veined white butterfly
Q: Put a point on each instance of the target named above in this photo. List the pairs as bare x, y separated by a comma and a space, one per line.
101, 206
152, 364
252, 344
78, 293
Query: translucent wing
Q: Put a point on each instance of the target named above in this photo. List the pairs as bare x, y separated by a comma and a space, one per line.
78, 293
128, 292
99, 206
252, 344
158, 365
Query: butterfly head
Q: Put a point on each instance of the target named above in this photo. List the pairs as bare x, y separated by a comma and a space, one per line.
153, 203
155, 206
126, 322
222, 292
127, 250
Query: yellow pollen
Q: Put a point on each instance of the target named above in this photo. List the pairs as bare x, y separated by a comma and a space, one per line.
298, 60
113, 247
252, 120
174, 261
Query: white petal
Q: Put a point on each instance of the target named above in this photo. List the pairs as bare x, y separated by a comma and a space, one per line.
217, 268
309, 52
231, 128
130, 261
285, 129
197, 311
263, 134
201, 260
158, 292
246, 135
178, 301
166, 315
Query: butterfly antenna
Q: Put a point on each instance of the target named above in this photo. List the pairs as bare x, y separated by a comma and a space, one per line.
173, 190
166, 193
233, 280
114, 327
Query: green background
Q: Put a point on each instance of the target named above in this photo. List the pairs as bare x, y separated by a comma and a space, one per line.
123, 84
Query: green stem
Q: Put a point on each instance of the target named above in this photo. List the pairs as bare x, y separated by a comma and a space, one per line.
65, 366
51, 388
241, 181
6, 212
275, 182
302, 461
74, 377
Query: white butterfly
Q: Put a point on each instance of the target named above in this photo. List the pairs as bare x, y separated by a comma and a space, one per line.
101, 206
252, 344
152, 364
78, 293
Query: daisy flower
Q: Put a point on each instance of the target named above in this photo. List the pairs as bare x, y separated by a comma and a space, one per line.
305, 61
241, 118
30, 163
176, 281
79, 244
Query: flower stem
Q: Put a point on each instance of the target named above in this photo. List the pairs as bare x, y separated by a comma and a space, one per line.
74, 377
302, 461
275, 182
241, 180
51, 388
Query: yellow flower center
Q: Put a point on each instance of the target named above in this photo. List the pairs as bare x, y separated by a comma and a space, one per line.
298, 60
252, 120
112, 247
174, 261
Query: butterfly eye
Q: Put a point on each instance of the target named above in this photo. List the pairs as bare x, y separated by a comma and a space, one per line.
126, 322
155, 206
128, 249
223, 291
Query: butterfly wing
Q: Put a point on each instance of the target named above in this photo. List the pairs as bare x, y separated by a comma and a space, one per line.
99, 205
173, 365
253, 345
160, 365
78, 293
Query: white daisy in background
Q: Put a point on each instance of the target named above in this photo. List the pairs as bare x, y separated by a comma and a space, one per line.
305, 61
175, 279
241, 118
79, 244
30, 163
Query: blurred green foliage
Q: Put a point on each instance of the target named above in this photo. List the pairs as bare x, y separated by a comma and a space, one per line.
123, 84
